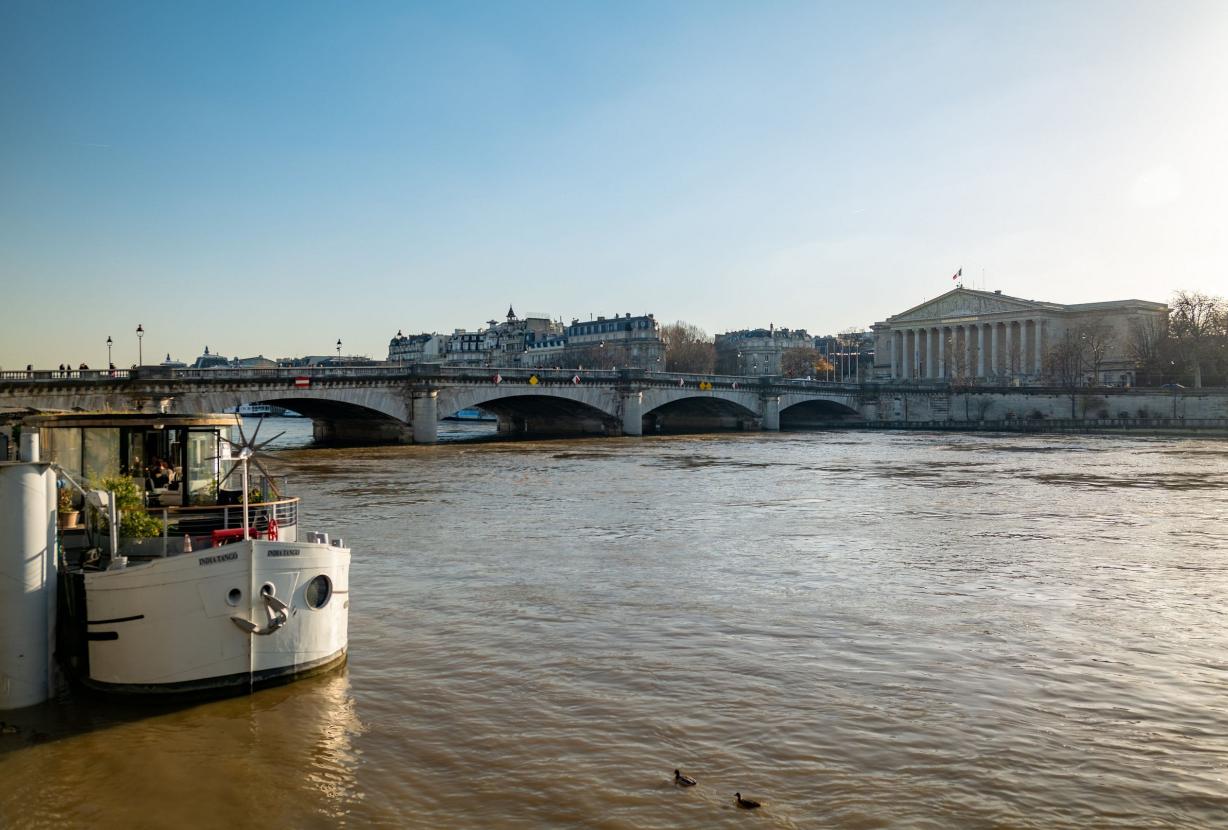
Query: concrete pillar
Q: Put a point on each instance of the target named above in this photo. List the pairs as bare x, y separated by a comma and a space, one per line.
770, 406
894, 356
633, 413
1009, 347
942, 352
426, 417
917, 342
1040, 347
994, 353
981, 352
970, 351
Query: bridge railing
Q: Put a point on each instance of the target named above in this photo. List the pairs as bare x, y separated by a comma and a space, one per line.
36, 375
425, 372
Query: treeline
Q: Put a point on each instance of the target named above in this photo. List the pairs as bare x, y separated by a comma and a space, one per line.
1190, 349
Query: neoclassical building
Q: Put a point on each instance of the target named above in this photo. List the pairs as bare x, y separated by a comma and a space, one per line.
988, 337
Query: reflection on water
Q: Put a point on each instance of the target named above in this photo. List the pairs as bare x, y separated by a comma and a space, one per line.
286, 751
860, 630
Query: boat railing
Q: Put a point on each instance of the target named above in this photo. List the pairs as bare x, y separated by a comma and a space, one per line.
194, 525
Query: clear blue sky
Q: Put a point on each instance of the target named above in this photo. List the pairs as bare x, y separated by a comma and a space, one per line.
270, 177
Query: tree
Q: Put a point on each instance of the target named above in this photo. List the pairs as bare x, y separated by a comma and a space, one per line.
1197, 322
1147, 345
1066, 363
1099, 339
687, 349
802, 363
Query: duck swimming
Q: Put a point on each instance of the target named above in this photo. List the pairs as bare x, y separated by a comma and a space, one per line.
683, 780
746, 803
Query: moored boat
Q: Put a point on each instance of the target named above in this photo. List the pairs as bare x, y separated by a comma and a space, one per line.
190, 573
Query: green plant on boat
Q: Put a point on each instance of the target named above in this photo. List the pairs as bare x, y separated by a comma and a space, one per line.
134, 522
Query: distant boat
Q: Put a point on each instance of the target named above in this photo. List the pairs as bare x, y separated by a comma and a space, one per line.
262, 410
471, 414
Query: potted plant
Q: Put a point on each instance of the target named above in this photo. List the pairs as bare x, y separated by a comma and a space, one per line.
135, 524
69, 516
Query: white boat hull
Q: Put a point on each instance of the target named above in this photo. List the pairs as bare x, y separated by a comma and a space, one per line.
169, 625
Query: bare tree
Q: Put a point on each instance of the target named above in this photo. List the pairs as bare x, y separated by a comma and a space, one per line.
1146, 344
687, 348
1099, 340
1066, 363
1197, 320
959, 367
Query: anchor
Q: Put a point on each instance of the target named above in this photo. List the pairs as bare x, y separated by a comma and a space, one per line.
275, 608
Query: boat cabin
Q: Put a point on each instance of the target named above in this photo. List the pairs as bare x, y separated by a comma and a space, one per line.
174, 458
182, 469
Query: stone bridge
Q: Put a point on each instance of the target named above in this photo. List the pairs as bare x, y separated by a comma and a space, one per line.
386, 404
402, 404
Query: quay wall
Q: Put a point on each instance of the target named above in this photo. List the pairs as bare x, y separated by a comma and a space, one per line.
911, 406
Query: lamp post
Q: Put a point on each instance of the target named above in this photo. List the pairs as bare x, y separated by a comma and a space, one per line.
140, 355
338, 351
109, 362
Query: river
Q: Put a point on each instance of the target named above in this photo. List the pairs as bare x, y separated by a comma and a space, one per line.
860, 630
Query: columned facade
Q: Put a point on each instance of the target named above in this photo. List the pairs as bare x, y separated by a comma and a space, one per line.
987, 338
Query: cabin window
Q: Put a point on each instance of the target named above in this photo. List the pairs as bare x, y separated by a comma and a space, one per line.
63, 447
202, 465
101, 456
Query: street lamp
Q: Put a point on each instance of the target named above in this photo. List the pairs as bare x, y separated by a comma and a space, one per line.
338, 350
140, 334
109, 362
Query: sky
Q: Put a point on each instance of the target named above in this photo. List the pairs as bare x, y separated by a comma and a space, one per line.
269, 178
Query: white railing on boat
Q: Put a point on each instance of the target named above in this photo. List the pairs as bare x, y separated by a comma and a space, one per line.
198, 522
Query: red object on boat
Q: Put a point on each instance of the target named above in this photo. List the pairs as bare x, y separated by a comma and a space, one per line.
234, 534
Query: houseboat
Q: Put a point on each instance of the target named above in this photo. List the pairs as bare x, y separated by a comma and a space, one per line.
177, 568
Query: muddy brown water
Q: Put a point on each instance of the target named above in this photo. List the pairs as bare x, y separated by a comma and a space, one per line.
886, 630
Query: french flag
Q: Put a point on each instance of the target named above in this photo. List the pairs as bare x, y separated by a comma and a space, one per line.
957, 274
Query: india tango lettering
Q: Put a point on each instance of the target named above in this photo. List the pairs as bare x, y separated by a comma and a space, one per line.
221, 557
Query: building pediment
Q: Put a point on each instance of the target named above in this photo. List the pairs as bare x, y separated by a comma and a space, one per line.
962, 302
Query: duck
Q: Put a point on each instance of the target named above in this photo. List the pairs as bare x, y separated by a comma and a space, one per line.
683, 780
746, 803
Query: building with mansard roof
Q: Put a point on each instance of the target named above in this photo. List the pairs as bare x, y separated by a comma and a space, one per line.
987, 337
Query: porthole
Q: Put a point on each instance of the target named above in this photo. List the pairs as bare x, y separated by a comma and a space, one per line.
318, 592
234, 596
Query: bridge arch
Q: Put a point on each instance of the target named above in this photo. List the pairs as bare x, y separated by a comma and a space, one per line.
338, 415
699, 412
541, 409
801, 412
